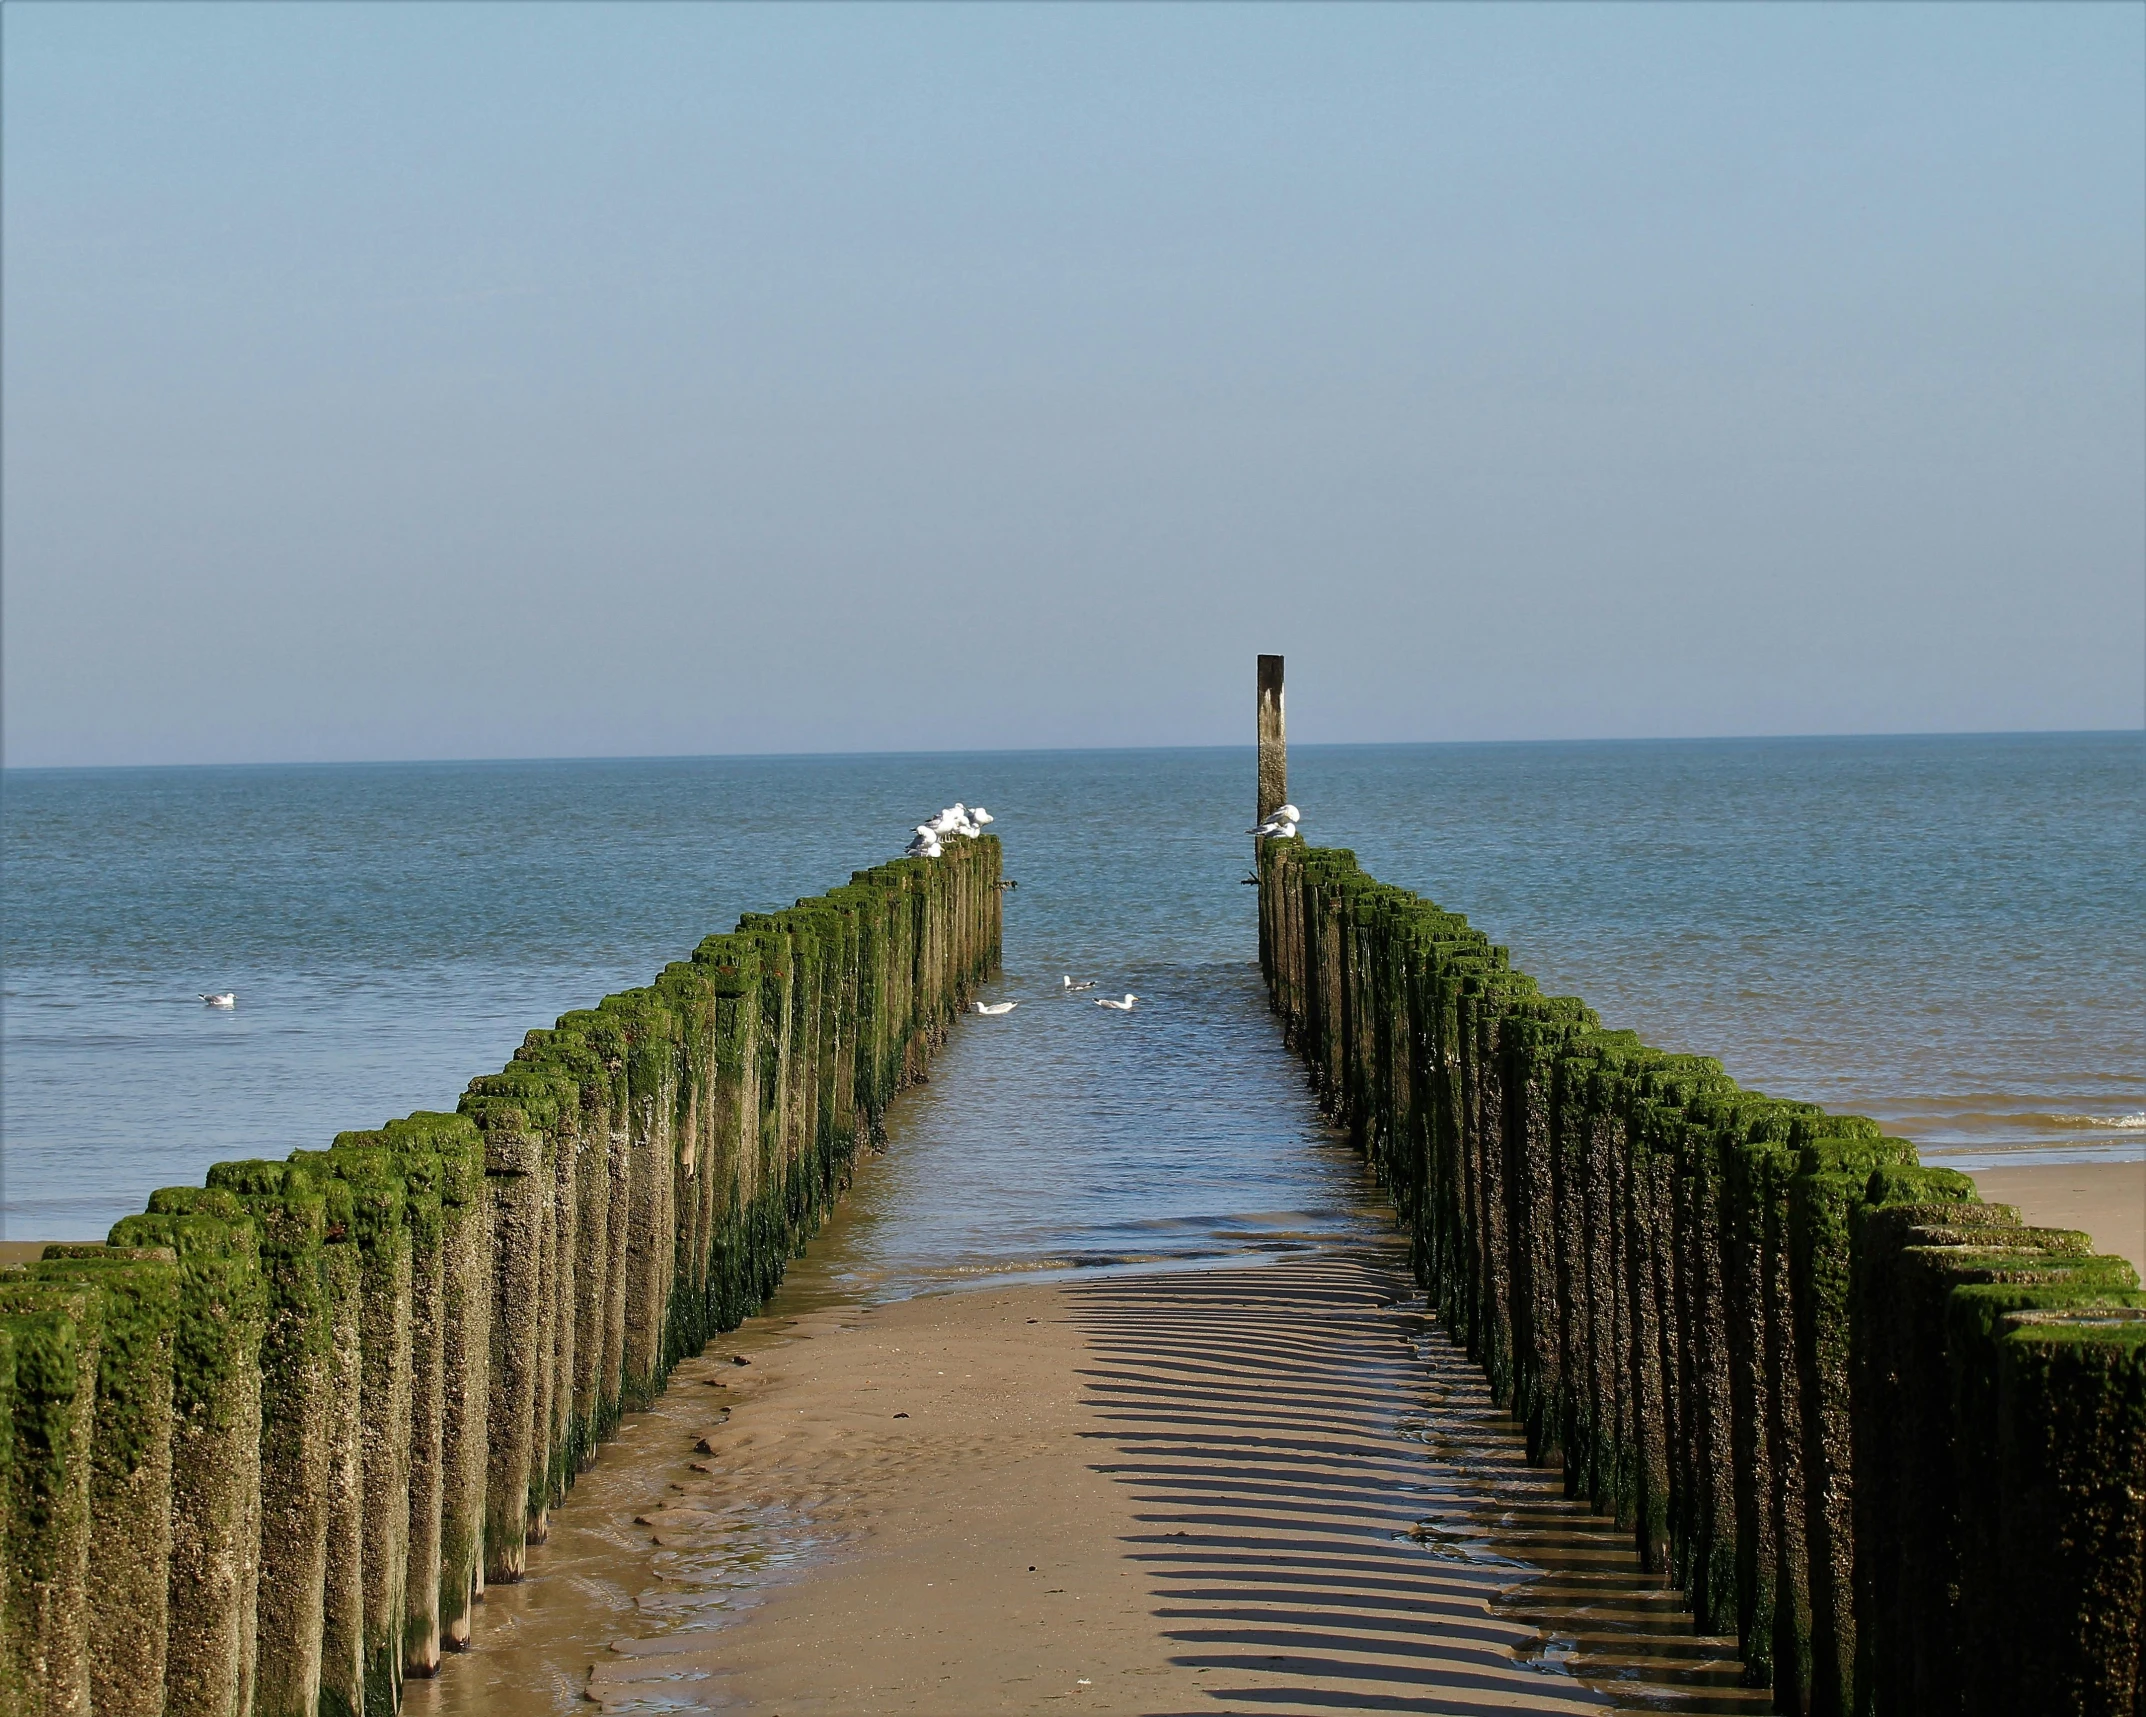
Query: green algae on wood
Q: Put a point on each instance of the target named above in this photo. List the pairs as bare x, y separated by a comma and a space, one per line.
290, 1220
216, 1445
129, 1570
54, 1335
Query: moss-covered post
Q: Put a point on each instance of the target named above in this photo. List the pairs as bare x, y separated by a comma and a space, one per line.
216, 1446
296, 1349
2072, 1502
342, 1628
129, 1568
1823, 1200
733, 965
574, 1053
54, 1330
651, 1249
514, 1161
1751, 1400
1658, 1290
1931, 1272
619, 1237
13, 1692
688, 998
421, 1145
543, 1410
1883, 1407
383, 1204
465, 1357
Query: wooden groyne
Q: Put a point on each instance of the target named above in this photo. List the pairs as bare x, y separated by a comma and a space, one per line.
261, 1453
1885, 1435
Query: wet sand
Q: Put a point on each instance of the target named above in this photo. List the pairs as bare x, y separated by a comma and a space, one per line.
1258, 1487
2108, 1200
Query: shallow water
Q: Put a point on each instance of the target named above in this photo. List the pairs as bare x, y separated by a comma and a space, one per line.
1949, 934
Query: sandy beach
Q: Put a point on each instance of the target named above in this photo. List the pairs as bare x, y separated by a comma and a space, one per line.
2107, 1200
1252, 1488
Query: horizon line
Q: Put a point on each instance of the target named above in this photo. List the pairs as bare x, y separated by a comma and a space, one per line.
1061, 750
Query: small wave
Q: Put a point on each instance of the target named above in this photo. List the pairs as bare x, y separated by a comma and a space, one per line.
1964, 1123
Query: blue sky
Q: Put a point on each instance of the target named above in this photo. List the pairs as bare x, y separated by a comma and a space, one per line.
444, 381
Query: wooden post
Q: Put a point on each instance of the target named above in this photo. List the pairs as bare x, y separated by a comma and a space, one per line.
1273, 746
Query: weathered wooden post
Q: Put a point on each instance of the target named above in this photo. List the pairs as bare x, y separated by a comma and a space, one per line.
1273, 746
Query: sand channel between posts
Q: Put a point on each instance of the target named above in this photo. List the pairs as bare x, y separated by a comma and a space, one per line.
1255, 1488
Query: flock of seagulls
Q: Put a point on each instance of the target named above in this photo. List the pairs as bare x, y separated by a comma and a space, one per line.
957, 819
1069, 985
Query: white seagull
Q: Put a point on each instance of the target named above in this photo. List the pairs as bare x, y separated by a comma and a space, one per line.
1124, 1007
228, 999
1088, 984
926, 843
979, 816
949, 819
995, 1008
1275, 829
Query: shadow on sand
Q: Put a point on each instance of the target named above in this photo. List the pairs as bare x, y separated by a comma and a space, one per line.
1338, 1519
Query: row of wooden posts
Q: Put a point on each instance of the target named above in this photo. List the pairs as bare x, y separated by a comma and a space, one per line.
1885, 1434
261, 1453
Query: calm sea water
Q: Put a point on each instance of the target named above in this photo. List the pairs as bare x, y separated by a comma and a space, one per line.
1949, 934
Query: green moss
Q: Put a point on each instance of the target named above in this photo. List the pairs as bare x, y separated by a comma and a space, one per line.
381, 1229
216, 1432
14, 1692
130, 1476
54, 1330
2072, 1509
290, 1221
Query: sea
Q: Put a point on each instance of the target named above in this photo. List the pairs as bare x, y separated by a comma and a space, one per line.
1945, 933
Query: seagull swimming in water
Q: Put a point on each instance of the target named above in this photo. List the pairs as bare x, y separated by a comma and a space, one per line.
1124, 1007
1089, 984
227, 1000
996, 1008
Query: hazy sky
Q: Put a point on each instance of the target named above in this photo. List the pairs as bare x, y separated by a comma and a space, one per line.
436, 381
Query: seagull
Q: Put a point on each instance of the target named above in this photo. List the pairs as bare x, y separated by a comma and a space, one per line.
1275, 828
926, 843
1285, 814
995, 1008
949, 819
1071, 985
228, 999
979, 816
1124, 1007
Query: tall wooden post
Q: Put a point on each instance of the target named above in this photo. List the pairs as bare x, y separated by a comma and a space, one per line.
1273, 747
